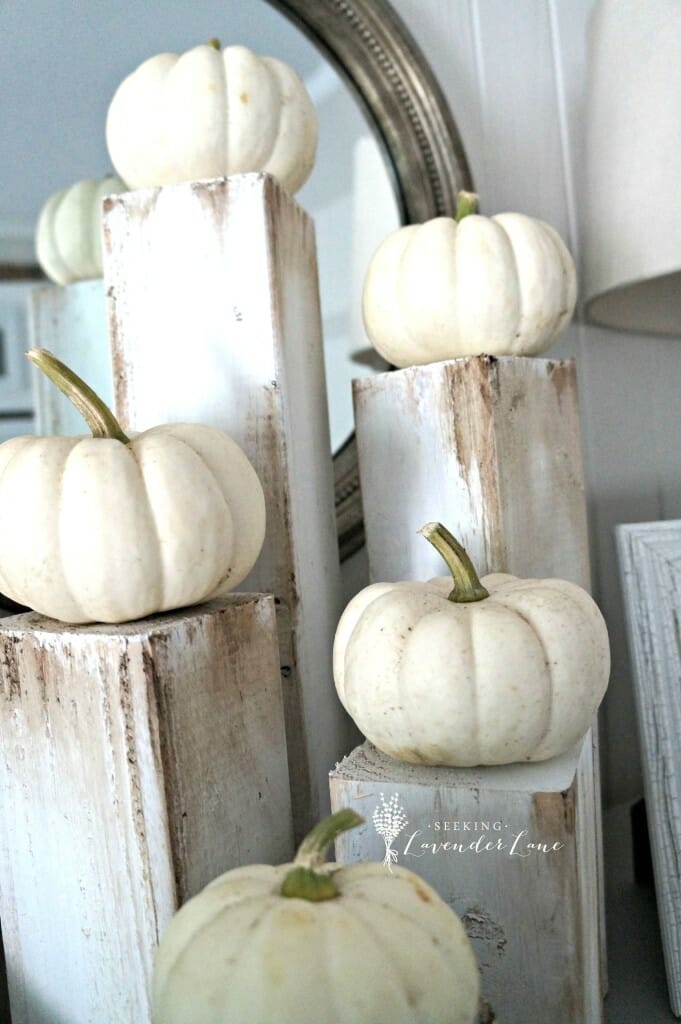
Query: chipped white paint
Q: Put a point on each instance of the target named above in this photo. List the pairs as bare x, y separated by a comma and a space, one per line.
491, 447
139, 762
488, 446
650, 567
214, 316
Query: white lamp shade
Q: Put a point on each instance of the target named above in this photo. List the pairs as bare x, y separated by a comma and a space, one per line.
632, 197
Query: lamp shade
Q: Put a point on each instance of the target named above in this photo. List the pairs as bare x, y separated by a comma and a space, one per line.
632, 194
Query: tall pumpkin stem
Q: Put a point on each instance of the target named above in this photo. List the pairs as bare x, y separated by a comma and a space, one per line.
467, 585
94, 411
304, 881
466, 203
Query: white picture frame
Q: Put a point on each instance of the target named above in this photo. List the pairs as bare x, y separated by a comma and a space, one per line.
650, 569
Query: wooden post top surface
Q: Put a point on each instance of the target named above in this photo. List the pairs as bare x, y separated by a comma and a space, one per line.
367, 764
213, 193
485, 365
33, 622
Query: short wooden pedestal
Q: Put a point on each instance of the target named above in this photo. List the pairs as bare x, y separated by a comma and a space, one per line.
139, 761
491, 447
214, 317
505, 848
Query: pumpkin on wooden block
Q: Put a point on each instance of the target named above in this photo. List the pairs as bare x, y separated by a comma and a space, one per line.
316, 943
68, 235
208, 113
494, 671
110, 528
467, 286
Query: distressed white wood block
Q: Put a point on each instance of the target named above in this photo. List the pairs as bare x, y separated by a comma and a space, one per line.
139, 762
650, 568
71, 321
520, 903
491, 447
214, 317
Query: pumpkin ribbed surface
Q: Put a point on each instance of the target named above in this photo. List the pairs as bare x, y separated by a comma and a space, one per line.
95, 530
387, 950
209, 113
515, 677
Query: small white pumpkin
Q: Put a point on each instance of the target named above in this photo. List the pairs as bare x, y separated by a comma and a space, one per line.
209, 113
316, 943
111, 529
466, 286
493, 672
68, 235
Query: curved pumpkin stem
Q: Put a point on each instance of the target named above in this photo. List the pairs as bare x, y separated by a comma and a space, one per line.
94, 411
466, 203
467, 585
304, 881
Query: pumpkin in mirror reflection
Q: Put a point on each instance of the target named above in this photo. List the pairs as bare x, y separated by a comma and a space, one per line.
468, 286
493, 671
111, 529
69, 232
316, 943
208, 113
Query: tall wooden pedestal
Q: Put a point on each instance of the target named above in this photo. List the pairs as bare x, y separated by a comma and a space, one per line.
214, 317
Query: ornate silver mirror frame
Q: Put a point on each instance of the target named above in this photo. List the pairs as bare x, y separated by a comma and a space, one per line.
374, 51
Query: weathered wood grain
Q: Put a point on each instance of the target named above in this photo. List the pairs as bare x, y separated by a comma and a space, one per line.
491, 447
521, 906
214, 316
139, 762
71, 321
650, 567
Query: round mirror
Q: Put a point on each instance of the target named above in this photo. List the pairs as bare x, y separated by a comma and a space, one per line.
388, 149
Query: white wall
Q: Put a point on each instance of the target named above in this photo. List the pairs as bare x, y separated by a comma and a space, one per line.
514, 75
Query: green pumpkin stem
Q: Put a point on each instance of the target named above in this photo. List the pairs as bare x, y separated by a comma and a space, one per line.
467, 585
215, 43
466, 203
94, 411
304, 881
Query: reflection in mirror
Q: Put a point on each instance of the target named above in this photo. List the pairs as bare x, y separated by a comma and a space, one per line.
53, 135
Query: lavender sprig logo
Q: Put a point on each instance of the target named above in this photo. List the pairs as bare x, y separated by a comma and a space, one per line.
389, 820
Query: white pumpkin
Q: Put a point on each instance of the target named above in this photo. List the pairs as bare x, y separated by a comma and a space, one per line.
107, 529
503, 285
315, 943
68, 236
209, 113
494, 672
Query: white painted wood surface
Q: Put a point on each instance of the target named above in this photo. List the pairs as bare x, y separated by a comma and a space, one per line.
650, 567
139, 762
520, 906
214, 317
514, 74
70, 321
491, 447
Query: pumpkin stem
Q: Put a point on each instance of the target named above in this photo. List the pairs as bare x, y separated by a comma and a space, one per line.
303, 881
466, 203
94, 411
215, 43
467, 585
